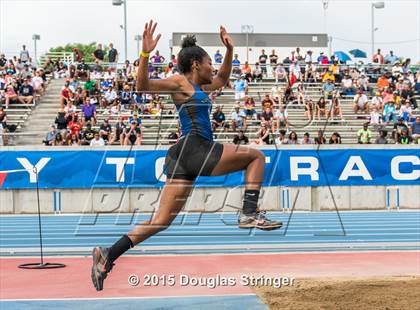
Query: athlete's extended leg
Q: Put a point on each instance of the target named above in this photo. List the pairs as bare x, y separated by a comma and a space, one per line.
236, 158
174, 196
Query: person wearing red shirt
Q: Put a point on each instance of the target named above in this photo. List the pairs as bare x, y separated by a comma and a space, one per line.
378, 58
75, 125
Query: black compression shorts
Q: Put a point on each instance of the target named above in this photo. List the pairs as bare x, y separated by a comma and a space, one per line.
192, 156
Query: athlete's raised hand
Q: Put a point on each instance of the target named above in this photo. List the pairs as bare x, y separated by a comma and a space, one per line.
149, 43
225, 37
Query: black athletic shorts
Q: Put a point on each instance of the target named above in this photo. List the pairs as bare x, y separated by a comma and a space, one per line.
192, 156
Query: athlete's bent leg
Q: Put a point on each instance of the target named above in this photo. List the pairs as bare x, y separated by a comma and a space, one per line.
236, 158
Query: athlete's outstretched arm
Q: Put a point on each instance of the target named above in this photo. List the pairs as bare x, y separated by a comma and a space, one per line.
143, 84
223, 75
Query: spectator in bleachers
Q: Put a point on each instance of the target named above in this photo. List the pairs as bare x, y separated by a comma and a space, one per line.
87, 134
263, 135
240, 138
309, 109
133, 134
381, 139
310, 73
110, 96
378, 57
173, 60
328, 76
335, 108
320, 138
112, 56
10, 95
335, 138
375, 118
306, 139
399, 127
241, 88
405, 137
26, 93
295, 73
267, 116
308, 57
415, 130
281, 119
300, 90
390, 58
322, 59
50, 137
293, 138
347, 88
238, 118
99, 54
119, 132
361, 102
407, 93
281, 138
280, 74
58, 139
390, 112
157, 59
406, 112
38, 83
377, 102
219, 119
328, 89
65, 94
105, 130
97, 140
73, 140
24, 54
364, 134
250, 108
236, 69
257, 73
218, 57
262, 59
273, 60
247, 72
89, 110
61, 120
321, 108
75, 125
267, 102
363, 83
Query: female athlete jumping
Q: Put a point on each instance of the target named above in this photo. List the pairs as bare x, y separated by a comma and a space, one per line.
195, 154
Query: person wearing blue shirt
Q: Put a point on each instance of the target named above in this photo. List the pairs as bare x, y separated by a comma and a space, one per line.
241, 88
391, 58
218, 58
26, 93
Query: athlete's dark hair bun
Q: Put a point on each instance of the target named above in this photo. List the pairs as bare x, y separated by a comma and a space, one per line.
189, 41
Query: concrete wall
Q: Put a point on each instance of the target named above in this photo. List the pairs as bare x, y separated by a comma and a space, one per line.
208, 199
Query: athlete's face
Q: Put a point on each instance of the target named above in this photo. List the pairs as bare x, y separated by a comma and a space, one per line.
206, 70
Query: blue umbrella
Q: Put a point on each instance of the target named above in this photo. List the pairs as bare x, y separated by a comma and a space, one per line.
341, 56
358, 53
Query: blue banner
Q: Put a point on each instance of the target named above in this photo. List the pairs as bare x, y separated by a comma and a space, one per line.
144, 168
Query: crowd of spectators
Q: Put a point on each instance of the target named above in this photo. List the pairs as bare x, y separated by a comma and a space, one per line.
384, 97
22, 82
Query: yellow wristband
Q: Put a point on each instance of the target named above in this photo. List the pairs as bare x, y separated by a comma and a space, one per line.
144, 54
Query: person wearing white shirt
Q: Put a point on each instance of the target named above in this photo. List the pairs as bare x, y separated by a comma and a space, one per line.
97, 141
37, 83
377, 101
280, 118
110, 95
360, 102
238, 118
375, 118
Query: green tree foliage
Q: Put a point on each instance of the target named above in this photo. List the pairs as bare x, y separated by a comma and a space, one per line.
86, 50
